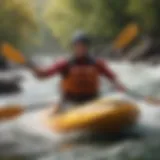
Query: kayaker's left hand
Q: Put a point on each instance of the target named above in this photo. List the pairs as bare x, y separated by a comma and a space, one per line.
120, 87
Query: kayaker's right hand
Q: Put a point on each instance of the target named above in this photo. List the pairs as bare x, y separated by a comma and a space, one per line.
30, 64
37, 72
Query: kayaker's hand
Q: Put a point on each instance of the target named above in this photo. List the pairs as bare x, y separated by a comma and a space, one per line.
37, 72
120, 87
31, 65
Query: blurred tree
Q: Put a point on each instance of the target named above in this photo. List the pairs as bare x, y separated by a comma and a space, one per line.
17, 22
144, 13
101, 18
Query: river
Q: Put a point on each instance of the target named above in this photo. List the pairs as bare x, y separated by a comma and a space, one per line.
26, 138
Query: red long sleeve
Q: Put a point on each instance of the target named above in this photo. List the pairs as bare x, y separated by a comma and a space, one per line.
105, 70
58, 67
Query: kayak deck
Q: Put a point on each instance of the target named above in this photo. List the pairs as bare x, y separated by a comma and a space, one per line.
107, 115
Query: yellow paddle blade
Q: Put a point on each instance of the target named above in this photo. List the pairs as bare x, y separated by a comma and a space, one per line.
10, 112
12, 54
127, 35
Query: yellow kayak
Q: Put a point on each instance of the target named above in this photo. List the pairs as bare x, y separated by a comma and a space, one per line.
104, 115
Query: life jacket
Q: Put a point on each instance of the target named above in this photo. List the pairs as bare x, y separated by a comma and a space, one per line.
81, 79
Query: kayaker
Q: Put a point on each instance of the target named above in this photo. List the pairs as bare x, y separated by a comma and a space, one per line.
80, 73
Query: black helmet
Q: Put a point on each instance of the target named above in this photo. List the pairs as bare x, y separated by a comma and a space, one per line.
81, 37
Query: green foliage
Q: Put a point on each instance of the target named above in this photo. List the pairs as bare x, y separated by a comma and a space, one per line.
17, 22
143, 12
101, 17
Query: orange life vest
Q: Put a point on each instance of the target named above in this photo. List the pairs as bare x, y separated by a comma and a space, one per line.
81, 80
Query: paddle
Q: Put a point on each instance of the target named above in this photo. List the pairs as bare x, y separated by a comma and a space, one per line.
148, 99
13, 111
15, 55
126, 36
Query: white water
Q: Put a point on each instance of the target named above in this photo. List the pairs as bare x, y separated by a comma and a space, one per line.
26, 135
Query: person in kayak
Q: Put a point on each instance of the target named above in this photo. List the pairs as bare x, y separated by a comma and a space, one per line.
80, 74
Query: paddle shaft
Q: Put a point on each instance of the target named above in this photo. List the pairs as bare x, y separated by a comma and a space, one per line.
15, 111
38, 106
148, 99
